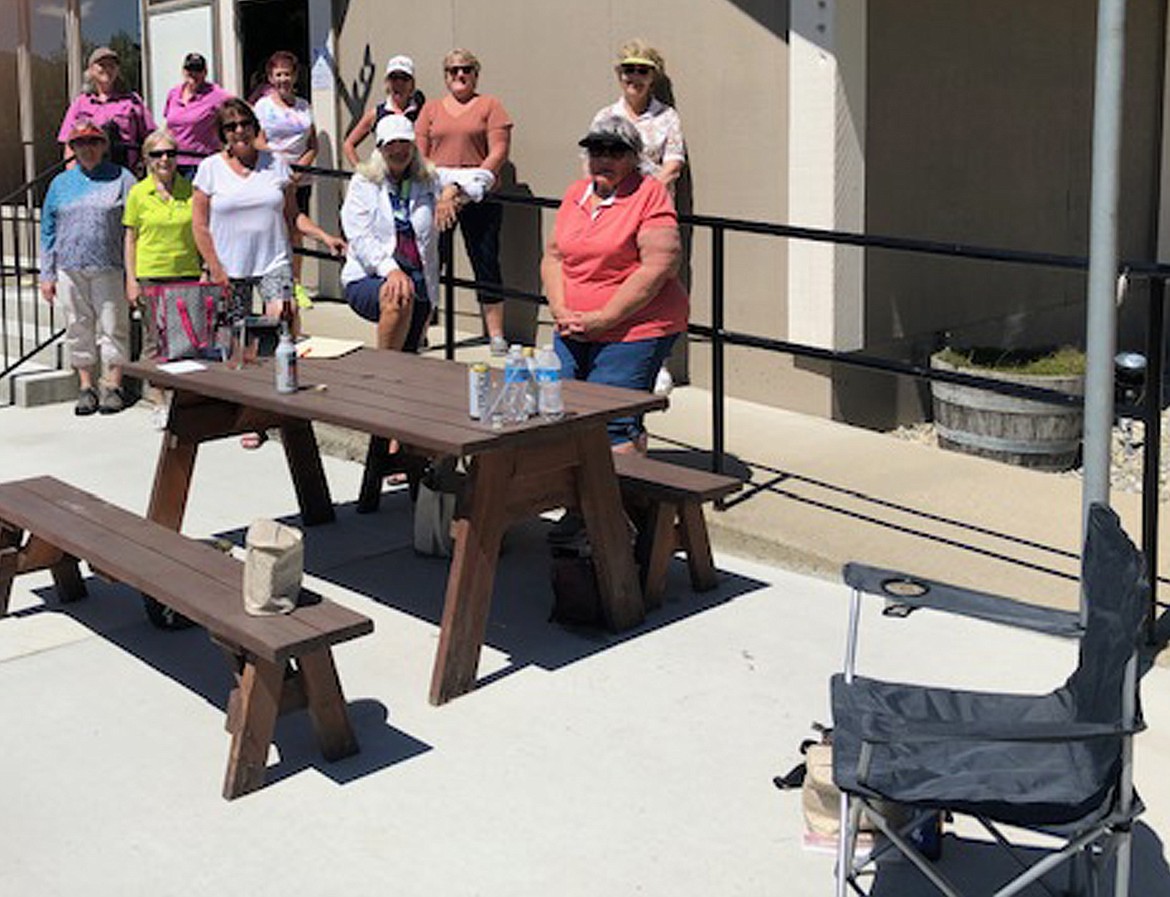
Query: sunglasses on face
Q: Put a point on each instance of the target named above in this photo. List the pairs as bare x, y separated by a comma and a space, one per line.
607, 150
637, 70
163, 153
236, 125
86, 141
401, 76
461, 70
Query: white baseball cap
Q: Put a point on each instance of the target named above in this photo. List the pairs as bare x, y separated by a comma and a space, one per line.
402, 64
394, 127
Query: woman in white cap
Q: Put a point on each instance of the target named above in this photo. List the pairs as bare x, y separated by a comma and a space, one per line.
395, 207
640, 70
106, 102
81, 264
402, 98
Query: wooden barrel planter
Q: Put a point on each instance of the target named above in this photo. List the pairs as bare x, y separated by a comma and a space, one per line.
1016, 431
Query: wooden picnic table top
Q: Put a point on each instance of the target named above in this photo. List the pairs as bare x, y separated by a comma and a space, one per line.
418, 400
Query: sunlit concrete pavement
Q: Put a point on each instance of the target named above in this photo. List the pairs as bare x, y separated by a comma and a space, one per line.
585, 763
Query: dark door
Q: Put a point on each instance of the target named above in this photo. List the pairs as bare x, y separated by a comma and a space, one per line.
270, 25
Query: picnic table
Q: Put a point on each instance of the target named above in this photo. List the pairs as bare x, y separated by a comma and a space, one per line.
513, 473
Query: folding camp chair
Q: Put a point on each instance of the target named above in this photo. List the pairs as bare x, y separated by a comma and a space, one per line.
1059, 763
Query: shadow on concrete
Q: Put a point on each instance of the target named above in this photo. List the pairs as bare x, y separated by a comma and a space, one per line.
373, 555
114, 612
979, 867
761, 478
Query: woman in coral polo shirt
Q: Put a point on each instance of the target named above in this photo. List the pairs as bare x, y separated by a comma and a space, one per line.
610, 272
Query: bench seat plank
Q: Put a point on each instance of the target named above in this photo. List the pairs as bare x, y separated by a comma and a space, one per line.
197, 580
280, 662
668, 500
667, 481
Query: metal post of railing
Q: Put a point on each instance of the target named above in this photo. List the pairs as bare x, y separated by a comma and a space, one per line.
1152, 442
718, 409
447, 262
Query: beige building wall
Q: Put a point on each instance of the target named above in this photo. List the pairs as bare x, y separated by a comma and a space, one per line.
980, 133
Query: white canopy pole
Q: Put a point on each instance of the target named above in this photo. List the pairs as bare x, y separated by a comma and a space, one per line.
1101, 320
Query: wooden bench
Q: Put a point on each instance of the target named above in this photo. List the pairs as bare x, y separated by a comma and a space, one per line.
666, 501
281, 663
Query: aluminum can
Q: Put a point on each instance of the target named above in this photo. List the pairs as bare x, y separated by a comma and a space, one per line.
479, 385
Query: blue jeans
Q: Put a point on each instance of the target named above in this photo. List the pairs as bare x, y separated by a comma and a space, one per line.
363, 297
632, 365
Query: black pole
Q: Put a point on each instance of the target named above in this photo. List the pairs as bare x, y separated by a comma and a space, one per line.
1152, 443
447, 251
718, 411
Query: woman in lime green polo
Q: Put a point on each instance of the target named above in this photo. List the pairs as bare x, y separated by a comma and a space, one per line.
160, 245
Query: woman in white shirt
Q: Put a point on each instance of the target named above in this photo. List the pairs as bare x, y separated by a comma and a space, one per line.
287, 129
243, 212
395, 207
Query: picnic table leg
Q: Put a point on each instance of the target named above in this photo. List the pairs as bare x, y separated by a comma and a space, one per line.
172, 479
370, 495
697, 545
326, 703
477, 530
304, 463
8, 556
600, 501
258, 704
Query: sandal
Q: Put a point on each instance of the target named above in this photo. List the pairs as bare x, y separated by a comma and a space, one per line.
253, 441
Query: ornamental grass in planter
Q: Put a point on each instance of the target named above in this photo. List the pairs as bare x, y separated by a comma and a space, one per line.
1017, 431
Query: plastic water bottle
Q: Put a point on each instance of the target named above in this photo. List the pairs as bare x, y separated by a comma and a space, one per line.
548, 384
530, 400
286, 362
514, 401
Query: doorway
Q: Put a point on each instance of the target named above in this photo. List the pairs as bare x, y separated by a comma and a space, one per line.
266, 26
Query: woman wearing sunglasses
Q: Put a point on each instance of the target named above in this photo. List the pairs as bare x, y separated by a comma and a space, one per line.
610, 272
640, 69
160, 244
244, 210
81, 264
466, 129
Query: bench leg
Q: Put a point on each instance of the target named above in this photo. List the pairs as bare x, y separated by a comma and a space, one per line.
326, 703
656, 544
697, 545
67, 579
255, 712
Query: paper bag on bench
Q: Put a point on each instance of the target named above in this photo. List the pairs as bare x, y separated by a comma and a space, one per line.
273, 568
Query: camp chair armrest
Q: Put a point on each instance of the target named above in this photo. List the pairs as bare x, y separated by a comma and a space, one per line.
880, 731
909, 592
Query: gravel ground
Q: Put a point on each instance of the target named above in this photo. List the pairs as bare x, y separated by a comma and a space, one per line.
1127, 454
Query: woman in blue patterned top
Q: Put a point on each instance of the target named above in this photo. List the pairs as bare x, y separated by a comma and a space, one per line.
82, 265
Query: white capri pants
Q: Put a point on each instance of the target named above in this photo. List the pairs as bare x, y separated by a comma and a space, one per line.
97, 316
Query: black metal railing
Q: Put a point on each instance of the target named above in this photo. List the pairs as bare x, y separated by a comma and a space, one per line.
28, 327
719, 337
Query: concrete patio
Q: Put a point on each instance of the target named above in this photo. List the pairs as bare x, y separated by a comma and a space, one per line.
584, 764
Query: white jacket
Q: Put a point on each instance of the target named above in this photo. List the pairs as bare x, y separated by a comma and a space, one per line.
368, 220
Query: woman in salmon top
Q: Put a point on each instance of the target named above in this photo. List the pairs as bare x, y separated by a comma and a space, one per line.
467, 129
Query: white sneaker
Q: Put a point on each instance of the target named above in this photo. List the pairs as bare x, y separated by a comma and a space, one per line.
663, 383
